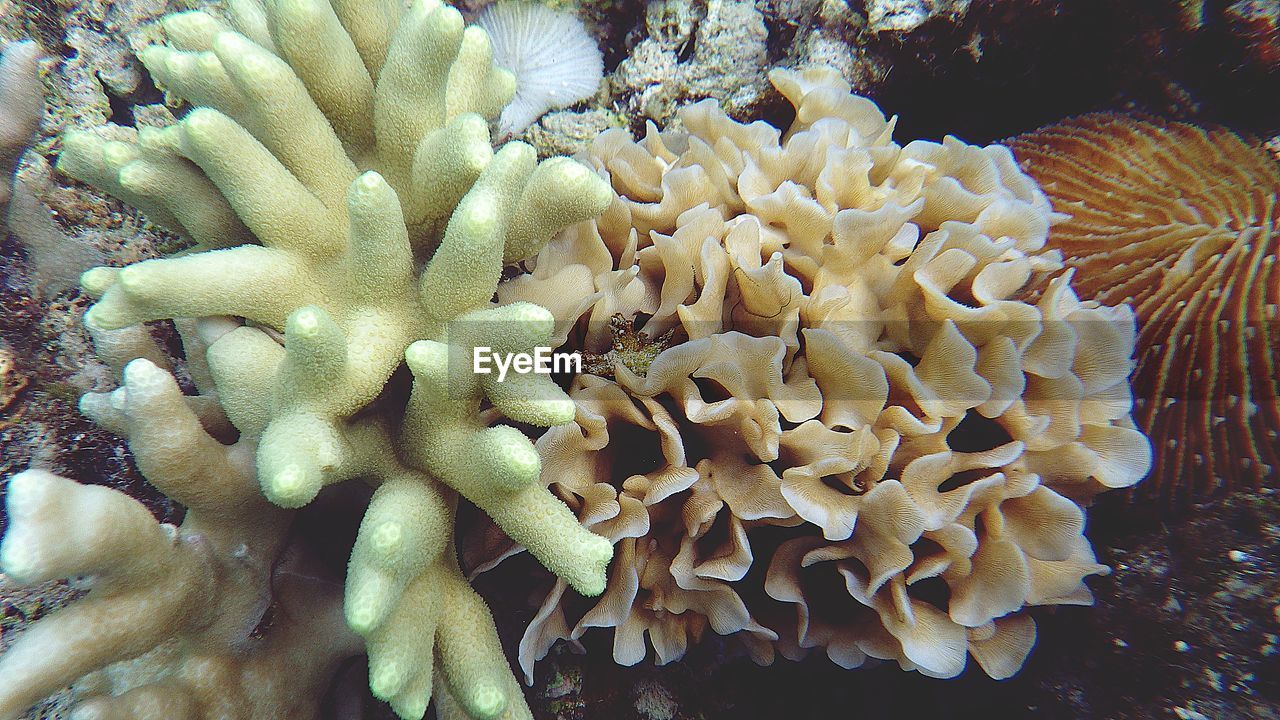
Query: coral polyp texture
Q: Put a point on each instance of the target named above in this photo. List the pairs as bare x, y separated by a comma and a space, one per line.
348, 217
1179, 222
859, 441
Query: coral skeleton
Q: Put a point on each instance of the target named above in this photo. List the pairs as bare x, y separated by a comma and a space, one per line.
860, 441
348, 217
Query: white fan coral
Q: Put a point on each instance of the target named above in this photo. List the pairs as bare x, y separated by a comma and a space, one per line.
555, 61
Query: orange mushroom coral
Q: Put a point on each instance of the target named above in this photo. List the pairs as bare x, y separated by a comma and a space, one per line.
1180, 222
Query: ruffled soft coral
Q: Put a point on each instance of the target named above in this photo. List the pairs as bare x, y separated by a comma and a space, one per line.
679, 529
913, 424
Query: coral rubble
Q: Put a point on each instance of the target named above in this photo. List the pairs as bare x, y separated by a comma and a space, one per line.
861, 441
694, 51
1180, 222
1256, 23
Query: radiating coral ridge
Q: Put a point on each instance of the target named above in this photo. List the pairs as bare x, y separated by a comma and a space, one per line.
1180, 222
349, 217
861, 441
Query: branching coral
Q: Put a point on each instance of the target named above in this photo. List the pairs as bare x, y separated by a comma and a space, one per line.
183, 600
862, 441
337, 180
1179, 221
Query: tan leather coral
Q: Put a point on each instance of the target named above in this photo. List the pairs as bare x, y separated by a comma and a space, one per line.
1179, 222
861, 439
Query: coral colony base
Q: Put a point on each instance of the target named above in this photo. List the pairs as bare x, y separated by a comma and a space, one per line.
842, 392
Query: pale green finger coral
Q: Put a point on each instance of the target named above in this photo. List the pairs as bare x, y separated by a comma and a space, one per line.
347, 211
169, 627
337, 270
